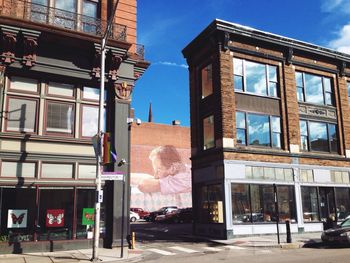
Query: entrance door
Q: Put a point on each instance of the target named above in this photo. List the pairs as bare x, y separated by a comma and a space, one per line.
327, 203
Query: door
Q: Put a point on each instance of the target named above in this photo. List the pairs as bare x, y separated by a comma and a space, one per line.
327, 203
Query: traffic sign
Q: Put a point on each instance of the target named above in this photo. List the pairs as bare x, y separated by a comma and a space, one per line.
115, 176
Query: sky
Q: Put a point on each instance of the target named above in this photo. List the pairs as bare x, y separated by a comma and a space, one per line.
165, 27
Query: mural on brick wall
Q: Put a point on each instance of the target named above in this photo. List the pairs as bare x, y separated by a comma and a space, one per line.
161, 177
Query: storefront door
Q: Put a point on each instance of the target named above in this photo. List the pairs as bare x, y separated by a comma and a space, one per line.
327, 203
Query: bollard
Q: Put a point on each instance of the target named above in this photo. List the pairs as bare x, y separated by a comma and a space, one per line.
289, 236
133, 240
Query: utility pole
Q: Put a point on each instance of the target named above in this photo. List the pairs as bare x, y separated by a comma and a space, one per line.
101, 121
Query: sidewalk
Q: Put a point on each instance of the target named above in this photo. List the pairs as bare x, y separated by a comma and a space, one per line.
82, 255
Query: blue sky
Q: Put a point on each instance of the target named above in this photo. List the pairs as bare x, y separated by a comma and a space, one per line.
165, 27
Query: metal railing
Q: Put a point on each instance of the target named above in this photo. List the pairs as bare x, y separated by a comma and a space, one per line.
140, 51
36, 13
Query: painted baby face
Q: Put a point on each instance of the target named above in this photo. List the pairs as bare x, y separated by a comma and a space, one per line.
160, 170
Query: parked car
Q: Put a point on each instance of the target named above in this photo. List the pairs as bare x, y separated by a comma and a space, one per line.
338, 234
134, 216
142, 213
183, 215
162, 211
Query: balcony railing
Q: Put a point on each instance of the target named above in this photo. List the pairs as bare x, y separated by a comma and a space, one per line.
60, 18
140, 51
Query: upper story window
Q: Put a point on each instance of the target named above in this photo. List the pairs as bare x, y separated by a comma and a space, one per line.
258, 129
208, 132
255, 78
60, 117
314, 89
318, 136
24, 84
207, 80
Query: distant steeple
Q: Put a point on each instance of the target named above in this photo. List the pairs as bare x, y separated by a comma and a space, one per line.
150, 115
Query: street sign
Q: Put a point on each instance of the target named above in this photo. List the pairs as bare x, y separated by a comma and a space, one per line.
115, 176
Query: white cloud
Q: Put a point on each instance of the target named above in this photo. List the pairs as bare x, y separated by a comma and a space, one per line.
342, 42
171, 64
336, 6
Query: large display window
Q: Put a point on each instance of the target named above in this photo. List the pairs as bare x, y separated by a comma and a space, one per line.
210, 206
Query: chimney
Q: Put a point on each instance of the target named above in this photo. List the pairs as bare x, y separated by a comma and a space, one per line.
176, 122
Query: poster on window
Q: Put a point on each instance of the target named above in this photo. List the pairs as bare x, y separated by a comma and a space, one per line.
88, 216
55, 218
17, 218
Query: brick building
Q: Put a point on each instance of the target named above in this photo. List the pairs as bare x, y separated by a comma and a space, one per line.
49, 96
269, 115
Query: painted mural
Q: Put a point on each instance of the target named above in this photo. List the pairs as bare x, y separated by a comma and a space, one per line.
160, 176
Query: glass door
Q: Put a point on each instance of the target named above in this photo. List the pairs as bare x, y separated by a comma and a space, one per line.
327, 203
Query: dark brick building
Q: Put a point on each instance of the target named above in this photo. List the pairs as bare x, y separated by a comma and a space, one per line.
269, 115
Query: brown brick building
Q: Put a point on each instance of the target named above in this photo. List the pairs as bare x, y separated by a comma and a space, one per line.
269, 115
50, 54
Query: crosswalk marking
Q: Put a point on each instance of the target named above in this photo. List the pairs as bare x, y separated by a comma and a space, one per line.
235, 247
162, 252
212, 248
182, 249
265, 251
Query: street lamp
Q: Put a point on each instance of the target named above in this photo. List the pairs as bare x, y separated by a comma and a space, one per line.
99, 194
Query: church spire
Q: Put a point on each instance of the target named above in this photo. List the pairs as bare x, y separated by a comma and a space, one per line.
150, 115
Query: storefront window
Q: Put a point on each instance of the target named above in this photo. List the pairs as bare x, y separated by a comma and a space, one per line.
56, 214
310, 204
256, 204
17, 211
210, 204
342, 196
241, 211
85, 213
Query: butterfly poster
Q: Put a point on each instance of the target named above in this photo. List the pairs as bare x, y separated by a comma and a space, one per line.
88, 216
55, 218
17, 218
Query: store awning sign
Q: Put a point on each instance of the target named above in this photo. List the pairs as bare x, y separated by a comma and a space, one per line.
55, 218
88, 216
17, 218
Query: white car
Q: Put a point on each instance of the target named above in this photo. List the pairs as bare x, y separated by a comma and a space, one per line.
134, 216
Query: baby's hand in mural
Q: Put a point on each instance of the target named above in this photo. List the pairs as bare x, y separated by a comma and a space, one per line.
149, 185
137, 178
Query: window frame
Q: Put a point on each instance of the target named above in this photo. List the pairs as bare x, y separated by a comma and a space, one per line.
203, 133
56, 133
324, 91
81, 119
11, 89
36, 119
201, 68
268, 81
271, 132
309, 149
51, 95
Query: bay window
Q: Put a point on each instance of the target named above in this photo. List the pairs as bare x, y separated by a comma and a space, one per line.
258, 129
318, 136
207, 80
255, 78
314, 89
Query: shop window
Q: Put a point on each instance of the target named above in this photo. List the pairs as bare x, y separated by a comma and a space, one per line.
56, 214
207, 80
89, 126
17, 214
85, 213
210, 204
318, 136
54, 170
22, 115
340, 177
253, 203
314, 89
60, 89
24, 84
310, 204
342, 196
208, 132
258, 130
18, 169
60, 117
255, 78
241, 211
306, 175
